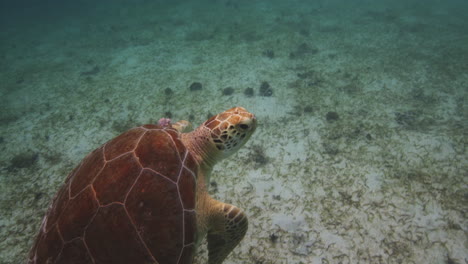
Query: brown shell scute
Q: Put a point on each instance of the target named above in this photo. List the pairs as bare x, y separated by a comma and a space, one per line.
112, 238
190, 227
124, 143
74, 219
157, 214
74, 252
59, 204
87, 171
187, 189
187, 254
130, 201
157, 152
116, 179
48, 246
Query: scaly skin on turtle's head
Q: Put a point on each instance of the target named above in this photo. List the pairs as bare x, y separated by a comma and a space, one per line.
221, 135
231, 129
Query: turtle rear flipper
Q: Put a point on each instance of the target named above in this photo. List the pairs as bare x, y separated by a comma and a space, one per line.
228, 225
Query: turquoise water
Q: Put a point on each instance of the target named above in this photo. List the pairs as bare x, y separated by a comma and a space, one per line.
360, 154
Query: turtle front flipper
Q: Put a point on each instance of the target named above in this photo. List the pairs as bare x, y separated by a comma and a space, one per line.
227, 226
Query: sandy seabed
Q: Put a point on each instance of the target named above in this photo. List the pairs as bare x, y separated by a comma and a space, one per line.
360, 153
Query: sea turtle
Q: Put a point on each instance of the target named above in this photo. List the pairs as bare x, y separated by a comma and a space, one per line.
142, 197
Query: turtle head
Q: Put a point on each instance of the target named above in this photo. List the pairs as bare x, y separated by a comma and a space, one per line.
220, 136
230, 130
